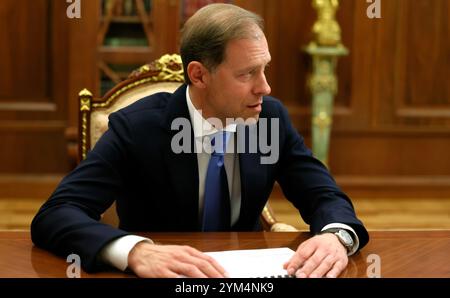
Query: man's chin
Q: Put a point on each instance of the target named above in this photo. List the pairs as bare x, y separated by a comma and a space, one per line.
249, 120
252, 120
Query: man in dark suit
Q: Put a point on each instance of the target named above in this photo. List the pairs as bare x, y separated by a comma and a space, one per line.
138, 164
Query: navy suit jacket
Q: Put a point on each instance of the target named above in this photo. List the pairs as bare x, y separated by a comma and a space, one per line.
156, 189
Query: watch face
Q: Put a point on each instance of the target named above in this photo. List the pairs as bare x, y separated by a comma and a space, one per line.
346, 238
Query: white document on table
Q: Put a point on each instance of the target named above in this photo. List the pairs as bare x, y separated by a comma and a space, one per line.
249, 263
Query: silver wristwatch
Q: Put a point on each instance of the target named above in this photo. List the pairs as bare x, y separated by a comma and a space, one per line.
344, 237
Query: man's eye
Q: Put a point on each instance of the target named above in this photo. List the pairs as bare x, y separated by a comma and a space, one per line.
246, 74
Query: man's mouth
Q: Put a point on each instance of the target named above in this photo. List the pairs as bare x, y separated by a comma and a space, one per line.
256, 107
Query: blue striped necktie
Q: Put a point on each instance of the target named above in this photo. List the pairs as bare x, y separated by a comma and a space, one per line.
216, 208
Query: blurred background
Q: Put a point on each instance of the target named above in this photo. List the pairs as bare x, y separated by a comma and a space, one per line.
390, 130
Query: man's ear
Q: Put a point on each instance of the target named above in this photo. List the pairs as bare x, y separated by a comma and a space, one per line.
197, 72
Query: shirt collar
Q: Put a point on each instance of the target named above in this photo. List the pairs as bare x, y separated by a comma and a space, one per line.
201, 126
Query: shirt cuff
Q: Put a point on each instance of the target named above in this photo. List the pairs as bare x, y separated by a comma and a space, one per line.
116, 252
349, 229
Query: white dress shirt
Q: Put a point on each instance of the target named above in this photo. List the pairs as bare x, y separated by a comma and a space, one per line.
116, 252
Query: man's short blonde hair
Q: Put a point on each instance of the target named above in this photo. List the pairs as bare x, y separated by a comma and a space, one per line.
206, 34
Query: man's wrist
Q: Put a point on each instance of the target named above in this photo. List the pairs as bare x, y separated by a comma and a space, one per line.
133, 256
350, 230
116, 252
343, 236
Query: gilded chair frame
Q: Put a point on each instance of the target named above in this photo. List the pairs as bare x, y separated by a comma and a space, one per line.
166, 69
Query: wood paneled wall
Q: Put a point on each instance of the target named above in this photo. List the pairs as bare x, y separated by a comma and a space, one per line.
33, 86
391, 130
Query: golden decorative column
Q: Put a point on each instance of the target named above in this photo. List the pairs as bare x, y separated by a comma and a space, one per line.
324, 50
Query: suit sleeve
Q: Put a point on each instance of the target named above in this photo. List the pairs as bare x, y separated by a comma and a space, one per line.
307, 183
69, 221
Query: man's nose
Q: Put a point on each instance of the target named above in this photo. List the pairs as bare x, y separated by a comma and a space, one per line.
262, 87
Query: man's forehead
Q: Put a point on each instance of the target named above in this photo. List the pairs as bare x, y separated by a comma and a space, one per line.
256, 33
247, 51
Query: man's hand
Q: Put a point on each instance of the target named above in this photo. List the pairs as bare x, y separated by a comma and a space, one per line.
151, 260
322, 255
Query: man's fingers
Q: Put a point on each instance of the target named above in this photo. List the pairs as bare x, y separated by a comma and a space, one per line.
336, 270
208, 259
324, 266
311, 264
169, 274
206, 267
217, 266
298, 259
188, 270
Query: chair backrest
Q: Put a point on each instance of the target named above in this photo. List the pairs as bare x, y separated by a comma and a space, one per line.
164, 74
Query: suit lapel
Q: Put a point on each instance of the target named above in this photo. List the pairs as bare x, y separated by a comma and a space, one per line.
253, 180
182, 167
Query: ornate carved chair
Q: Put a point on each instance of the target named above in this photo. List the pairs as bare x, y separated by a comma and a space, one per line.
164, 74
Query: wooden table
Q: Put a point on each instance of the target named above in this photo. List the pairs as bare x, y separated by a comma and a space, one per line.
401, 253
